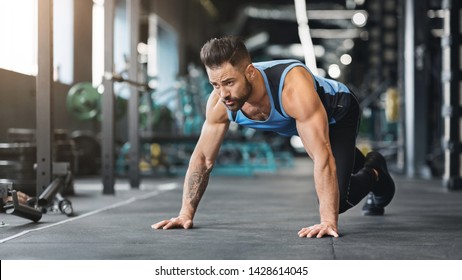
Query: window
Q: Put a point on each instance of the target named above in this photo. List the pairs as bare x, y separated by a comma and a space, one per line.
63, 41
18, 37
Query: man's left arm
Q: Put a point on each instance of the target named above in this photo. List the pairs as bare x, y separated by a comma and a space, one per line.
301, 101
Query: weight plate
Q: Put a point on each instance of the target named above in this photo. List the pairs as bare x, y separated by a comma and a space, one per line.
83, 101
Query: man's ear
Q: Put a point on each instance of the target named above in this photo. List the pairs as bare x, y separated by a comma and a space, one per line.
250, 71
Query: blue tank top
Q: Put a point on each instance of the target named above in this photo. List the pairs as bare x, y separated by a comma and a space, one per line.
334, 95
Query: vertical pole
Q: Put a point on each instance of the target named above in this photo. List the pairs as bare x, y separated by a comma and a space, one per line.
43, 101
421, 88
452, 94
108, 101
400, 80
133, 12
83, 41
409, 86
305, 36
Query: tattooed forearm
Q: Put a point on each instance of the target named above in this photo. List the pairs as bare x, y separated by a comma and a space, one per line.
197, 184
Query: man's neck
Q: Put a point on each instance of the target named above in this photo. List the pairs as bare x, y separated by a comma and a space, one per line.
258, 106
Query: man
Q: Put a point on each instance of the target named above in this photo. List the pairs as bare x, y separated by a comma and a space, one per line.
285, 97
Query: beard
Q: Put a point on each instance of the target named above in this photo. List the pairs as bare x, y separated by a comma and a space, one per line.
238, 102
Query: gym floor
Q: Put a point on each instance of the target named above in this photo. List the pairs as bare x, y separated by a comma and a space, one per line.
239, 218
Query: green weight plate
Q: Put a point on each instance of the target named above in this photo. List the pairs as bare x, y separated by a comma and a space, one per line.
83, 101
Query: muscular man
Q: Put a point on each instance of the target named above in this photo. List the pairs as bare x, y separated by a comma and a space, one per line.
285, 97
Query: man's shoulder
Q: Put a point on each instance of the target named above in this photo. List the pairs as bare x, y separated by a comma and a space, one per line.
271, 63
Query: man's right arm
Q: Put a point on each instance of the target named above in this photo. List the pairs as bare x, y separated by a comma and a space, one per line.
200, 164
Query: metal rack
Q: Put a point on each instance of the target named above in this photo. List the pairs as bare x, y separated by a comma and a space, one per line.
452, 79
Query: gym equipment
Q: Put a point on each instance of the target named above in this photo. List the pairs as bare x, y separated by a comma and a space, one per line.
392, 104
245, 158
190, 102
44, 128
17, 166
17, 159
236, 158
21, 135
15, 208
49, 200
51, 197
305, 35
153, 159
83, 101
452, 95
120, 79
155, 117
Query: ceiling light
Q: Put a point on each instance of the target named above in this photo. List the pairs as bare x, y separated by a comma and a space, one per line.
346, 59
334, 71
359, 19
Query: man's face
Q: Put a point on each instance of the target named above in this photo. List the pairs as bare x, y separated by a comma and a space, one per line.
231, 85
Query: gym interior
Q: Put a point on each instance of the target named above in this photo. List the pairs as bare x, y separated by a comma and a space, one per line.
102, 102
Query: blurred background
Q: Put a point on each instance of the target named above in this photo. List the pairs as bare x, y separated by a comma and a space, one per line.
140, 58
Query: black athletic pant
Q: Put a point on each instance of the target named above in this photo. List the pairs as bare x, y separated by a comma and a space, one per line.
354, 181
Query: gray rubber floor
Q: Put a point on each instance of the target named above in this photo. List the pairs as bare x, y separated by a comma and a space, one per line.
239, 218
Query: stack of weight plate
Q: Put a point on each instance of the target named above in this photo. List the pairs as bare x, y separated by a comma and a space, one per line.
17, 158
17, 166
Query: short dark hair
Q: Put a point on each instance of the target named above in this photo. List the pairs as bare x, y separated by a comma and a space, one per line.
227, 49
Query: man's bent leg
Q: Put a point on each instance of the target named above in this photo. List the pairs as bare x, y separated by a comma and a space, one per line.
383, 189
355, 181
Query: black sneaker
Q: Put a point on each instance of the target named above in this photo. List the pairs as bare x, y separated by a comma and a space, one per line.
384, 189
370, 209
